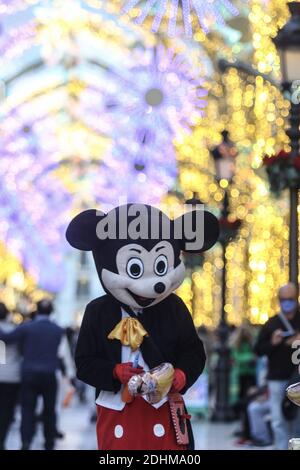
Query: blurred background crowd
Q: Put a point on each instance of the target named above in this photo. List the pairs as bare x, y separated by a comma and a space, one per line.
38, 380
159, 102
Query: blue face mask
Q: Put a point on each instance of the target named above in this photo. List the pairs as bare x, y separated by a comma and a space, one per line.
288, 305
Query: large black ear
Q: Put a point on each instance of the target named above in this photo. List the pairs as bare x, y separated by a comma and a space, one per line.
199, 229
81, 232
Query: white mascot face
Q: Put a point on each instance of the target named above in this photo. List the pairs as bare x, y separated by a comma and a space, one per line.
144, 277
136, 249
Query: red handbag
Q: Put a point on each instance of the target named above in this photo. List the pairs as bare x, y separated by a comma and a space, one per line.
179, 418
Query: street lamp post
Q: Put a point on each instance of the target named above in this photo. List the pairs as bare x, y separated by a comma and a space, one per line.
287, 43
224, 157
222, 411
192, 262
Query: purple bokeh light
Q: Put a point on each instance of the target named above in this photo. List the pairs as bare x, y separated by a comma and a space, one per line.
33, 210
164, 92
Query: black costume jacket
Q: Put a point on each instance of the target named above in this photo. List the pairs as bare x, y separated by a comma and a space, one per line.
172, 338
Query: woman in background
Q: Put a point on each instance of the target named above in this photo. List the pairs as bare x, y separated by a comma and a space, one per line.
244, 361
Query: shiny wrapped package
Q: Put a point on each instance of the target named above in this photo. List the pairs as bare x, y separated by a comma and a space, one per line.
293, 393
154, 384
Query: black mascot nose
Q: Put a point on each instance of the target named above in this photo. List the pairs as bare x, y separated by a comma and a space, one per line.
159, 288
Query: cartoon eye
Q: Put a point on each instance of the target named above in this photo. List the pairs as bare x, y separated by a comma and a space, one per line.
135, 268
161, 265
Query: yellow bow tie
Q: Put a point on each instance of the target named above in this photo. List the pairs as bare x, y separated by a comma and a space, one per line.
130, 332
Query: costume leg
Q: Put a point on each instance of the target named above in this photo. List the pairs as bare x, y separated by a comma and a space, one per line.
139, 426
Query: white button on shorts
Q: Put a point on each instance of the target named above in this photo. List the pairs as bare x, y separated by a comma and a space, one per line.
119, 431
158, 430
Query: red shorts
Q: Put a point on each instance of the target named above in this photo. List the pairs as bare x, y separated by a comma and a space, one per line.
139, 426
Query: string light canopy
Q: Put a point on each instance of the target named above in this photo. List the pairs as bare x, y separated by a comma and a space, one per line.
208, 13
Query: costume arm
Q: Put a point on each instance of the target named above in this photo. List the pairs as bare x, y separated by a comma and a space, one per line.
92, 368
191, 355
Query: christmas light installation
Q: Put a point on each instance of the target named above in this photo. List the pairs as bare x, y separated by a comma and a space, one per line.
10, 7
33, 229
255, 113
43, 126
39, 137
27, 239
17, 41
138, 179
164, 91
208, 13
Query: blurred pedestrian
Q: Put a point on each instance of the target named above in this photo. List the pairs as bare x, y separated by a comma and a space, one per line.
275, 340
39, 341
10, 377
244, 360
259, 410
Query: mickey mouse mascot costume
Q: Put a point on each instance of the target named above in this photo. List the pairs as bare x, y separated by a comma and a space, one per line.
139, 324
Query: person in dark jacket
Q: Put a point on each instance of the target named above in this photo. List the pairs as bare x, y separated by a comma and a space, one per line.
139, 325
39, 341
275, 341
10, 378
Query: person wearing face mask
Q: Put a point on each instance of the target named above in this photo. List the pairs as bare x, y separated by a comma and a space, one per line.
275, 341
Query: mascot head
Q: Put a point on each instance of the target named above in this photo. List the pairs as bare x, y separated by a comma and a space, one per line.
137, 249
